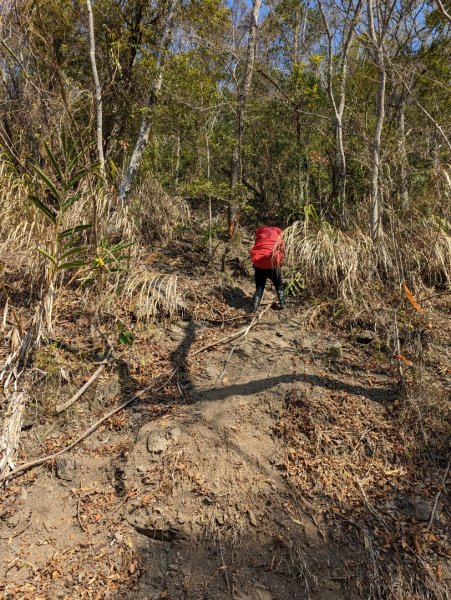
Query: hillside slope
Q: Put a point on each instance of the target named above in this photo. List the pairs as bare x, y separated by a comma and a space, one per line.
277, 464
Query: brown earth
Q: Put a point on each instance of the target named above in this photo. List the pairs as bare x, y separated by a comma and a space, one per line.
263, 473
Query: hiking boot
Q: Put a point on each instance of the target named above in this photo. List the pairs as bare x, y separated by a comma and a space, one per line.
256, 299
281, 297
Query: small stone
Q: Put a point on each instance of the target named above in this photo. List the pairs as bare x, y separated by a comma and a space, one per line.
65, 468
175, 433
173, 567
141, 468
156, 442
176, 334
332, 585
281, 343
212, 372
415, 507
245, 351
422, 511
252, 518
261, 594
304, 344
180, 520
365, 337
219, 520
118, 537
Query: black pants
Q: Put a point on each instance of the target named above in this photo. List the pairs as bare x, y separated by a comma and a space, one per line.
261, 275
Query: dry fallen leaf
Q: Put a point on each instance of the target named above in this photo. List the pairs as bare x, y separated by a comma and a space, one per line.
405, 360
411, 298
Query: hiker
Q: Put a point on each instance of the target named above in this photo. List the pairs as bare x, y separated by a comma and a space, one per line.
267, 258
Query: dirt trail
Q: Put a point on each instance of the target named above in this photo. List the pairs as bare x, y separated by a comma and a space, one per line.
190, 498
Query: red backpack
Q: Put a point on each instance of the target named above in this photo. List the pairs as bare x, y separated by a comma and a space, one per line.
267, 251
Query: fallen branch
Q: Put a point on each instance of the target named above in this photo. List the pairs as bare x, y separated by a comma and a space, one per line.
44, 459
40, 461
82, 390
233, 336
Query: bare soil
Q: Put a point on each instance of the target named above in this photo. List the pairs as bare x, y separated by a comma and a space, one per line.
276, 471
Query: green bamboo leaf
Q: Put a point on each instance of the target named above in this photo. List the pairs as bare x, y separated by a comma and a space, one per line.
53, 160
51, 258
74, 230
75, 159
121, 246
73, 252
43, 208
75, 264
46, 179
122, 257
71, 201
76, 178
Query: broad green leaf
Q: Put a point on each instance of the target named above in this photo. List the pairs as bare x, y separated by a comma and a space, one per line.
51, 258
76, 158
126, 337
121, 246
70, 201
43, 208
75, 264
73, 252
74, 230
46, 179
53, 160
76, 178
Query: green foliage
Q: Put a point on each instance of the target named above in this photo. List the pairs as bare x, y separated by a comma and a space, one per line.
204, 189
125, 337
59, 190
294, 285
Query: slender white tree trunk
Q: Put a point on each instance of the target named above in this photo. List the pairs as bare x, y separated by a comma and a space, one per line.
144, 131
98, 88
377, 49
338, 97
403, 190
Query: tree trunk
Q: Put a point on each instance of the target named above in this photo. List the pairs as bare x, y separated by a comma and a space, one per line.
98, 88
403, 190
377, 49
375, 195
143, 136
338, 104
236, 174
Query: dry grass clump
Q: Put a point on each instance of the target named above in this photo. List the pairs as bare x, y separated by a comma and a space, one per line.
158, 214
153, 294
344, 264
149, 295
329, 257
426, 251
20, 226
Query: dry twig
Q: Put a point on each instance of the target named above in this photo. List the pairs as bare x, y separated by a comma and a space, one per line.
82, 390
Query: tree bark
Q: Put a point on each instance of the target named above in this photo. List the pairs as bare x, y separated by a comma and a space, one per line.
403, 190
143, 136
98, 89
377, 48
338, 104
236, 175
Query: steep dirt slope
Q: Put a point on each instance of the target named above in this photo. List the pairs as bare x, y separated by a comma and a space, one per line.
241, 481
